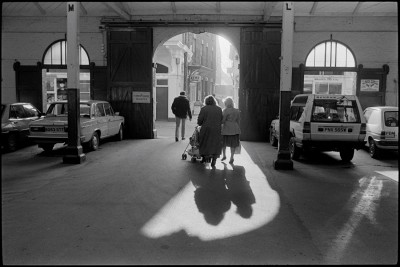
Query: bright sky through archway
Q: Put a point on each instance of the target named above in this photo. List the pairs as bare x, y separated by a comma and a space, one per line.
224, 48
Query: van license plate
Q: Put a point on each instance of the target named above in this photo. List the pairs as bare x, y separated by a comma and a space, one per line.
55, 129
389, 134
335, 129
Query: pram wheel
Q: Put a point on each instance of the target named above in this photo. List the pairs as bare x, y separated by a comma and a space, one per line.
184, 156
193, 159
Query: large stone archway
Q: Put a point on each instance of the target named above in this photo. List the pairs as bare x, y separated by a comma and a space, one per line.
162, 34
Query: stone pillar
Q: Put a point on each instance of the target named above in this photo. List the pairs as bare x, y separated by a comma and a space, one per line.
73, 153
283, 161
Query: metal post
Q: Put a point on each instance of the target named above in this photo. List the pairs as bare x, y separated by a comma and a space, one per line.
283, 161
73, 153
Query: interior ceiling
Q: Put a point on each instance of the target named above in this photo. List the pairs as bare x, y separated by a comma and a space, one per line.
201, 11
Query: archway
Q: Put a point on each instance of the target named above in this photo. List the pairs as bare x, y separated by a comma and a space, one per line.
197, 63
330, 68
54, 73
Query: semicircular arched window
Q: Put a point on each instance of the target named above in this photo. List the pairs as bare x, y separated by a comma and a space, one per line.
330, 54
56, 54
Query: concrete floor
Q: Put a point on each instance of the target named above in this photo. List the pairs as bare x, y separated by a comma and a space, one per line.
138, 202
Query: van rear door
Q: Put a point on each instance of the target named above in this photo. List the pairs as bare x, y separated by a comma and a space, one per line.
390, 125
335, 118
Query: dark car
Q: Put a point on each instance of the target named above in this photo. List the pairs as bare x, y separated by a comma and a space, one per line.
15, 119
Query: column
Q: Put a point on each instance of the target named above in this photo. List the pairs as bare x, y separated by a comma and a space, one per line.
283, 161
73, 153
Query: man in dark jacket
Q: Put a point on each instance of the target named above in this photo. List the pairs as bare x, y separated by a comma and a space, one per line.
181, 109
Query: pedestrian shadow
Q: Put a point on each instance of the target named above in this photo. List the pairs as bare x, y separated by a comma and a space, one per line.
216, 191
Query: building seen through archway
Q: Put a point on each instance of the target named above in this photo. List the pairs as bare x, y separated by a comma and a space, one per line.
199, 64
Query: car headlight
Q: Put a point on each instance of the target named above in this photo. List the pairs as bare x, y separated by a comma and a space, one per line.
7, 126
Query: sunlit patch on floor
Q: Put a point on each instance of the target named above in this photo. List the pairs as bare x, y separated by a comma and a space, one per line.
394, 175
362, 205
182, 213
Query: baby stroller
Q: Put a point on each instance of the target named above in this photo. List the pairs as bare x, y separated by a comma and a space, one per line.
193, 151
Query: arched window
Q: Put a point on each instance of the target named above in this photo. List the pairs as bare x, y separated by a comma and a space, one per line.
330, 54
56, 54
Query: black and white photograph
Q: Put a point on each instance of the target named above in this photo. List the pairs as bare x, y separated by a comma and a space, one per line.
199, 133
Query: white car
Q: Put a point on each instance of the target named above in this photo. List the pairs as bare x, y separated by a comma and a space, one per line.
382, 129
97, 121
323, 122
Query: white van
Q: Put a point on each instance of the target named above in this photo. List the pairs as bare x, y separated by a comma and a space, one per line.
382, 129
326, 123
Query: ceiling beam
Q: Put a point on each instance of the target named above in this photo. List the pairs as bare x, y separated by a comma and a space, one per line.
314, 7
42, 11
218, 7
83, 9
357, 8
117, 10
126, 7
173, 7
268, 9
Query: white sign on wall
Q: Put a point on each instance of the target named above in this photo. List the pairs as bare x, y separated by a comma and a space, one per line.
370, 85
140, 97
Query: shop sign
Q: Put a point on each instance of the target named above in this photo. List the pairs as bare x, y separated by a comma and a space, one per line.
140, 97
195, 78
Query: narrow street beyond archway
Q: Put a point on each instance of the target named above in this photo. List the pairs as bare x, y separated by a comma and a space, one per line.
138, 202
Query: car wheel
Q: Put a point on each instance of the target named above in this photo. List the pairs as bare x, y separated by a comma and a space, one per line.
347, 154
373, 149
293, 149
94, 142
47, 147
12, 142
272, 139
120, 134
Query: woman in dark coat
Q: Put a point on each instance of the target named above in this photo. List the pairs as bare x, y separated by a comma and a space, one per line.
210, 119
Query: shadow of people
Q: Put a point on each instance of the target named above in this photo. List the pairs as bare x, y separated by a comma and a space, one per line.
240, 191
212, 197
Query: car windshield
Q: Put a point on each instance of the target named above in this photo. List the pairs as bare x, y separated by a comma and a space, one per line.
332, 110
391, 118
61, 109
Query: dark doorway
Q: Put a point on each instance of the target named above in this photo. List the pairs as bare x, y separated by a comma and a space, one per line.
162, 103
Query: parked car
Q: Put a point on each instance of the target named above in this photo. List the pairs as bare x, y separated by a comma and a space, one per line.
97, 121
15, 119
324, 123
382, 129
274, 132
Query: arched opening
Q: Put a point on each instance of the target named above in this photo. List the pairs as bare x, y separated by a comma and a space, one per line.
199, 64
54, 73
330, 68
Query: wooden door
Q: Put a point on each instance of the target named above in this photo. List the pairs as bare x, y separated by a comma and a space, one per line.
162, 103
130, 70
98, 82
28, 82
260, 50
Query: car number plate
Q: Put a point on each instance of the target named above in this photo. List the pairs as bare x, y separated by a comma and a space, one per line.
389, 134
55, 129
335, 129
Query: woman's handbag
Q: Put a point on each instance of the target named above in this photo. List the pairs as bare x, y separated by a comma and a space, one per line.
238, 149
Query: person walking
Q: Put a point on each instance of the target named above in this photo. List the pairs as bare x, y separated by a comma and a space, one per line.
230, 128
181, 109
210, 119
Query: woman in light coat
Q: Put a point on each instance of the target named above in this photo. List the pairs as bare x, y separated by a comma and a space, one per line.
230, 128
210, 138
